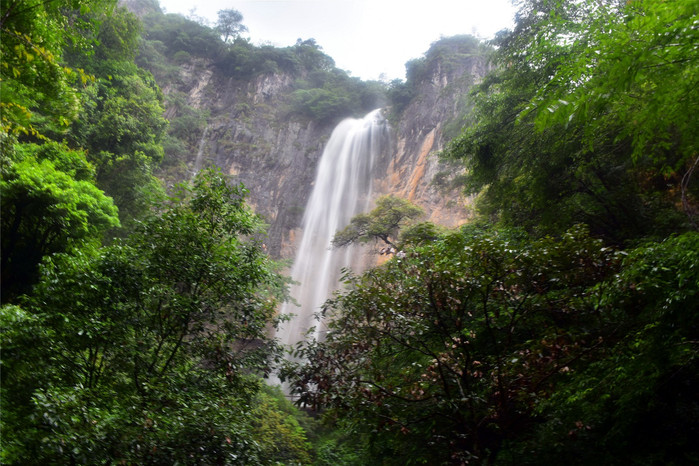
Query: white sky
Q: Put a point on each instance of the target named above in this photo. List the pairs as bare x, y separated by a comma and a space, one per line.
364, 37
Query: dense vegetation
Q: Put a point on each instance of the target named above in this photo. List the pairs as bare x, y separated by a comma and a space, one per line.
560, 327
444, 58
321, 91
135, 325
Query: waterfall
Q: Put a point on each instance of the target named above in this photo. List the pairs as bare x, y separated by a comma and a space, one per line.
197, 161
342, 189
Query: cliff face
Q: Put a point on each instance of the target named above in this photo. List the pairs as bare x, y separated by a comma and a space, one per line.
251, 135
419, 135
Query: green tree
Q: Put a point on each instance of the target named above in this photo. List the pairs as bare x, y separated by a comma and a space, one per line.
121, 123
382, 223
230, 24
632, 66
39, 92
637, 76
50, 204
520, 159
489, 347
441, 356
278, 433
118, 36
149, 346
634, 402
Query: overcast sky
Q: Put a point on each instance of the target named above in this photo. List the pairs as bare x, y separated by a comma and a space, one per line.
368, 38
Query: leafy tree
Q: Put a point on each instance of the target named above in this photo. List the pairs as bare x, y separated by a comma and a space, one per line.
38, 90
280, 436
332, 95
121, 123
521, 160
382, 223
311, 55
442, 355
230, 24
635, 402
173, 33
50, 204
489, 347
149, 346
400, 94
118, 37
637, 76
644, 53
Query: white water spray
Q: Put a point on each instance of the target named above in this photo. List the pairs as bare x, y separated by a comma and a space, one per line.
200, 152
342, 190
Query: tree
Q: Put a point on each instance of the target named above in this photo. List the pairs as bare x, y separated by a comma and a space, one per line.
38, 90
635, 68
490, 347
150, 346
442, 356
229, 24
50, 205
519, 158
634, 401
121, 123
382, 223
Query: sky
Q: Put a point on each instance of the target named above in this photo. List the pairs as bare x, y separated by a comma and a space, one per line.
371, 39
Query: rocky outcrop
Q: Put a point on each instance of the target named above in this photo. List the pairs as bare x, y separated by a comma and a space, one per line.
419, 136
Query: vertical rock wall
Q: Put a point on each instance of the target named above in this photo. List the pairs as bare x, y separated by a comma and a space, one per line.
251, 135
418, 137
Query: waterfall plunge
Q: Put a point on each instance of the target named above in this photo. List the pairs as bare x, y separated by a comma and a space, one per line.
200, 153
342, 190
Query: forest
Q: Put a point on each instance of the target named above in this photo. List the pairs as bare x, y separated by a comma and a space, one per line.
559, 326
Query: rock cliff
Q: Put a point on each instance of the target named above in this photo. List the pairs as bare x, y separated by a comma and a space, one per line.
249, 136
249, 131
421, 132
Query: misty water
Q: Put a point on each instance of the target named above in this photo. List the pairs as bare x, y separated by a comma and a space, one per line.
342, 189
200, 153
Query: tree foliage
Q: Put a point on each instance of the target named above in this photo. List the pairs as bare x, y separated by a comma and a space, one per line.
50, 204
39, 91
488, 345
560, 120
230, 24
145, 349
150, 345
121, 121
382, 223
634, 67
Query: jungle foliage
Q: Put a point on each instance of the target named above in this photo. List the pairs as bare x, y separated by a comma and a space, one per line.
559, 327
135, 325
